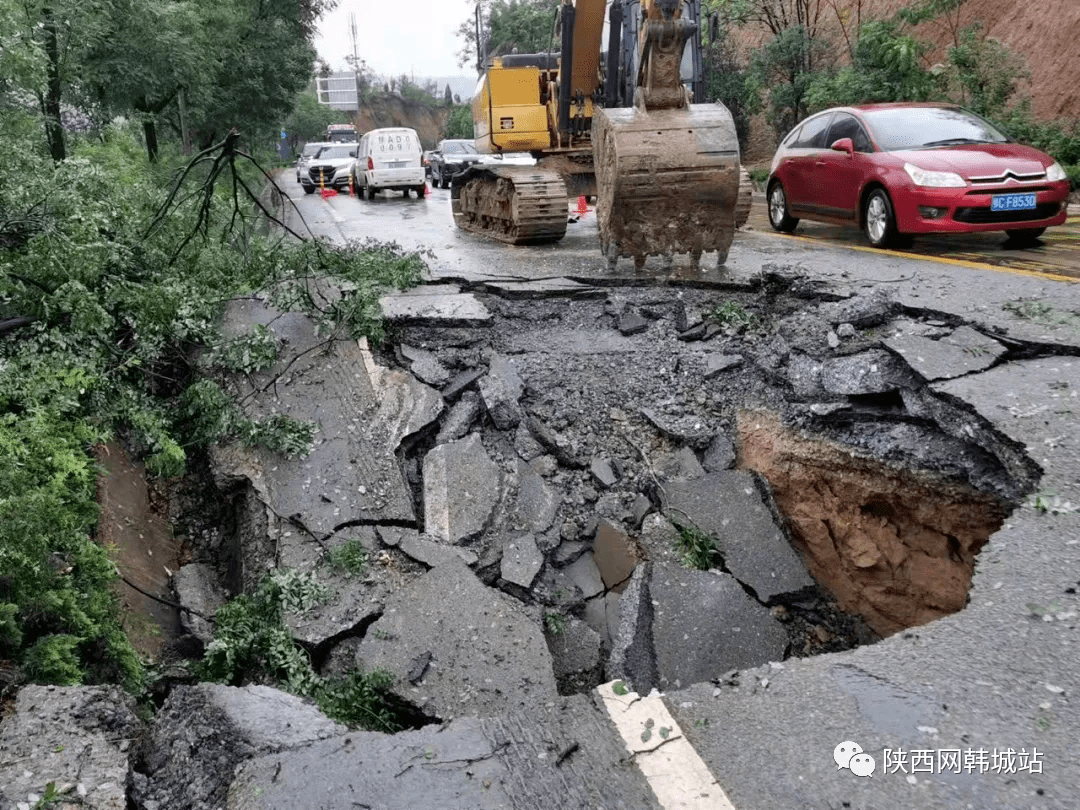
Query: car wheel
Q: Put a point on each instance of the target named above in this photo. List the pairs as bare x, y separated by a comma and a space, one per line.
779, 215
309, 189
1024, 236
370, 192
879, 221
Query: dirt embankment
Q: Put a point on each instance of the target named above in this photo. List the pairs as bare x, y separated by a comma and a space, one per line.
1042, 32
392, 110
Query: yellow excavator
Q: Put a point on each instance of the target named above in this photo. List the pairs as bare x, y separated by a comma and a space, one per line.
617, 125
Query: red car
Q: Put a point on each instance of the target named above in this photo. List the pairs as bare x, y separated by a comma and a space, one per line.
902, 169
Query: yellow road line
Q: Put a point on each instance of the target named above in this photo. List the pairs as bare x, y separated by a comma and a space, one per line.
927, 258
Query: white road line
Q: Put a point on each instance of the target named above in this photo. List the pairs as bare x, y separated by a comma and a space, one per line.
677, 775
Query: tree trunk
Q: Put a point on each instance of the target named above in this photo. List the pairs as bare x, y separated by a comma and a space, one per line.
50, 103
150, 132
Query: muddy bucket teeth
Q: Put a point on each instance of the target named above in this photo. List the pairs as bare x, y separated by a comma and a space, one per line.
668, 181
517, 205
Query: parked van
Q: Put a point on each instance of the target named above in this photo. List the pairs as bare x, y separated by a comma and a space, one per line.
389, 159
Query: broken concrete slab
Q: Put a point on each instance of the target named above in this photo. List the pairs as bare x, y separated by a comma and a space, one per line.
715, 364
804, 374
687, 316
872, 372
694, 333
68, 735
521, 561
704, 625
575, 648
562, 750
461, 381
351, 473
425, 365
632, 322
691, 430
728, 507
422, 549
353, 597
197, 588
406, 405
536, 504
603, 472
435, 303
488, 656
962, 352
719, 455
583, 575
203, 732
462, 485
863, 310
632, 657
500, 391
614, 554
460, 418
681, 465
640, 508
541, 288
659, 538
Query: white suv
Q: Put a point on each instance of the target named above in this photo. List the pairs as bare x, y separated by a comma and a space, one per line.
309, 151
389, 159
330, 168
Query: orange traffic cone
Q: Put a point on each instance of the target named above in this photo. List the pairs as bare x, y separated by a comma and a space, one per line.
582, 207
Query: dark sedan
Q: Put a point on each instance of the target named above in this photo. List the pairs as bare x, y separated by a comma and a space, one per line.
449, 158
903, 169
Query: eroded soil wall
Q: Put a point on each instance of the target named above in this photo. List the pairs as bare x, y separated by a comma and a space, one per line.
894, 546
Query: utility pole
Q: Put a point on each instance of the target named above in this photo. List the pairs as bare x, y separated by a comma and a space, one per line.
356, 56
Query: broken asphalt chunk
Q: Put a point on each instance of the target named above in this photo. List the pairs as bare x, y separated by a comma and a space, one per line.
500, 390
488, 656
461, 488
690, 430
727, 507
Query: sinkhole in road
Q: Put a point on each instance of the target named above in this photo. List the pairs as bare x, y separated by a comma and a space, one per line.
655, 481
893, 545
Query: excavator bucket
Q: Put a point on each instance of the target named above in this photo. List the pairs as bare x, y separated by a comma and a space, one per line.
668, 181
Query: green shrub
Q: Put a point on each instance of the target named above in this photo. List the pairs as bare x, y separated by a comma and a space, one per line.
54, 659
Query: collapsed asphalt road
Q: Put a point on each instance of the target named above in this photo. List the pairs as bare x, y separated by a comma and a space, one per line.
528, 464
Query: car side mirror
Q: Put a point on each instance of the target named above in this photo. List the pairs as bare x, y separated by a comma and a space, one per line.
844, 145
352, 153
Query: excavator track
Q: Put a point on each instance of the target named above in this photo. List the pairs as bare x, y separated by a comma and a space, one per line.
520, 205
668, 182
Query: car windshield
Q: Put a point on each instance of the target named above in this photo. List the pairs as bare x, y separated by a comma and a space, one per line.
312, 149
334, 152
459, 148
900, 128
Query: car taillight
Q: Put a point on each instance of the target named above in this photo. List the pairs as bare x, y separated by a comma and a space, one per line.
370, 163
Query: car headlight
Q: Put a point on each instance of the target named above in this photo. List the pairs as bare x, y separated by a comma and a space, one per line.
922, 177
1054, 172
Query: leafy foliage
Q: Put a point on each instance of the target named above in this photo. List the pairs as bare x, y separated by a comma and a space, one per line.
526, 25
350, 557
697, 549
252, 643
101, 322
459, 124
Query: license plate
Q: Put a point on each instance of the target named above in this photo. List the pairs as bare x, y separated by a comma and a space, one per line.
1012, 202
400, 164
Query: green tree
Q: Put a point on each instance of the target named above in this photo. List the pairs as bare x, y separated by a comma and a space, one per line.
887, 65
727, 79
309, 119
459, 124
983, 72
526, 26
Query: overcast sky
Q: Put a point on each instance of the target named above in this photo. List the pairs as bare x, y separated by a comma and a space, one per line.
414, 37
